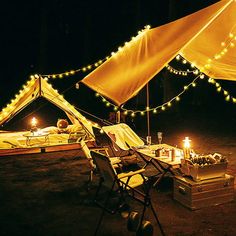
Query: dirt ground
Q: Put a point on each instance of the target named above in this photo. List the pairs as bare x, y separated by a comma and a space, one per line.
48, 196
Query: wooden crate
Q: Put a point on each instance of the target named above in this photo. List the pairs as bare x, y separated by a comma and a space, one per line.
196, 195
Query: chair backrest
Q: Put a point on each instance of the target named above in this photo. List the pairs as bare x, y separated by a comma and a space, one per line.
101, 139
105, 169
125, 137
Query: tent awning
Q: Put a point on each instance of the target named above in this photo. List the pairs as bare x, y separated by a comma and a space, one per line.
197, 37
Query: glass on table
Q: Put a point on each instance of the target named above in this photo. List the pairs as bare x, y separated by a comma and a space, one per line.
149, 140
159, 137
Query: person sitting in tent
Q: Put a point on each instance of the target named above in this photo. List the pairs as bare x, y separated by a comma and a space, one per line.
62, 125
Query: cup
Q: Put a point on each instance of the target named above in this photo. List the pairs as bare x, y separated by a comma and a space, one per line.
149, 140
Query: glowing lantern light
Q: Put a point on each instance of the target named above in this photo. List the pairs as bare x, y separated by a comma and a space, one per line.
186, 148
34, 121
34, 125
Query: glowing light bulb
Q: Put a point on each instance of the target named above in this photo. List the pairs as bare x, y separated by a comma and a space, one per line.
178, 57
227, 98
202, 76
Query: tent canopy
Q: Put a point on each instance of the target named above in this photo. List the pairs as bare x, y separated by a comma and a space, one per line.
39, 87
197, 37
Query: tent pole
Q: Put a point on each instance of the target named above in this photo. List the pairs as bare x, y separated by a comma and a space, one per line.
148, 113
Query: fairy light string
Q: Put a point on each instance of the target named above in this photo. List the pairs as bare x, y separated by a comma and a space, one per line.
99, 62
226, 45
12, 106
155, 109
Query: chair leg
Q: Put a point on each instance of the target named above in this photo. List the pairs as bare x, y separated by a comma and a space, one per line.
157, 220
104, 209
148, 203
90, 179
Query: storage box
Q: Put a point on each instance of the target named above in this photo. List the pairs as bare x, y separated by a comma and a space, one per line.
196, 195
204, 172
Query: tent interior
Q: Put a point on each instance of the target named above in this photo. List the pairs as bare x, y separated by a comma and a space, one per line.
38, 90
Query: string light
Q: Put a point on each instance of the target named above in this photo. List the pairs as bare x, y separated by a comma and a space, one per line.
226, 45
199, 75
7, 111
155, 110
96, 64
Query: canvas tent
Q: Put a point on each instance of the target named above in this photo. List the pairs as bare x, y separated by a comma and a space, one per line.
39, 87
197, 37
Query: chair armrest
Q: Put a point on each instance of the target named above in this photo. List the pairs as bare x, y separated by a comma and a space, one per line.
114, 160
131, 173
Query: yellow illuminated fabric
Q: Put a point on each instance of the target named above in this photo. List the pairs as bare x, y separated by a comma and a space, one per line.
40, 88
123, 136
197, 37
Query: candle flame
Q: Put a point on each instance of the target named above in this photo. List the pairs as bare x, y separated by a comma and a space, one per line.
33, 121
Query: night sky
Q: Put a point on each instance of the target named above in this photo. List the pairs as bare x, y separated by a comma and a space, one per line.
47, 37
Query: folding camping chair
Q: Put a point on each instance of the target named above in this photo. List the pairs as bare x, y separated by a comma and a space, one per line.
123, 185
104, 140
115, 161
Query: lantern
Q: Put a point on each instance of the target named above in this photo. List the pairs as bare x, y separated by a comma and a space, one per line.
186, 148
